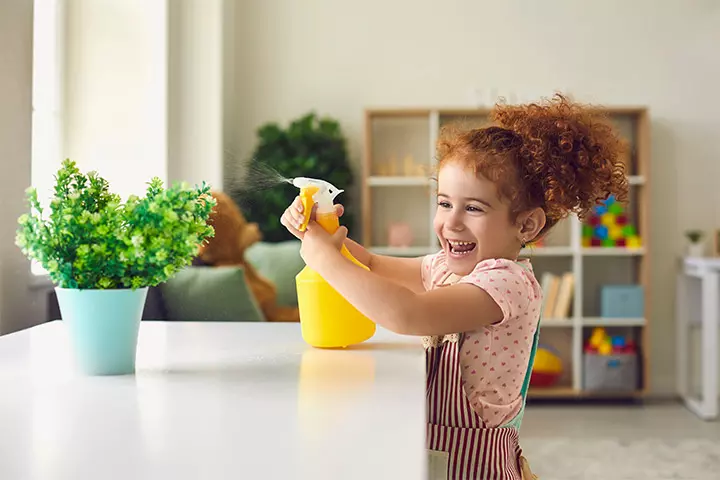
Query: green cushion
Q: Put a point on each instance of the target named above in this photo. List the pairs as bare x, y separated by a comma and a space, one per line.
278, 262
217, 294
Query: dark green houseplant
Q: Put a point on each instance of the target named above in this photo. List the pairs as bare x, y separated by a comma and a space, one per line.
310, 146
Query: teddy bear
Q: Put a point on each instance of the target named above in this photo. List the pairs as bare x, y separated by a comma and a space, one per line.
233, 235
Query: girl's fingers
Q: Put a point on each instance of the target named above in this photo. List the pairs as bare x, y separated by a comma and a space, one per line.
293, 217
297, 219
289, 221
296, 215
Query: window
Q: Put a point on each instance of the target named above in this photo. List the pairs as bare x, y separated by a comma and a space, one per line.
46, 99
109, 110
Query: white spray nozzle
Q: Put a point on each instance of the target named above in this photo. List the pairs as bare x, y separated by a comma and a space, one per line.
325, 195
325, 187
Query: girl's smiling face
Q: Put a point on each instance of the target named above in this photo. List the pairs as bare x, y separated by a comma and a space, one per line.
471, 221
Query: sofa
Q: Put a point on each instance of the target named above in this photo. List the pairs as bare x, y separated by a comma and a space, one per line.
203, 293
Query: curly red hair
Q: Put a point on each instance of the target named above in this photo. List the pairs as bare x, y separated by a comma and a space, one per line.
557, 155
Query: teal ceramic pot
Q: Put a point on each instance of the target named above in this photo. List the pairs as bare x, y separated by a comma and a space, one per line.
103, 327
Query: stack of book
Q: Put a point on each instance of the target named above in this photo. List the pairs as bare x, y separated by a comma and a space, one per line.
557, 294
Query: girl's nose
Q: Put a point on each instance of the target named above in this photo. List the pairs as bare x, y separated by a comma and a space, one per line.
455, 223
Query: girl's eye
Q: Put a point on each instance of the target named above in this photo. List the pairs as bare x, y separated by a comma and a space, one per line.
444, 204
471, 208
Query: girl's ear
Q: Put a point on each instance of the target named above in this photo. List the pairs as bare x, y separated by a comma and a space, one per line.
530, 224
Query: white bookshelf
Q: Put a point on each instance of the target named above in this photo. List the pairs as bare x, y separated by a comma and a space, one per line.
612, 322
390, 195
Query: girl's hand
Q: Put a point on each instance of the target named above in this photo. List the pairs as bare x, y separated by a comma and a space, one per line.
319, 246
293, 216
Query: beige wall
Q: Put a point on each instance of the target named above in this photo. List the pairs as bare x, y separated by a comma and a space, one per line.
196, 77
340, 57
144, 89
116, 90
19, 305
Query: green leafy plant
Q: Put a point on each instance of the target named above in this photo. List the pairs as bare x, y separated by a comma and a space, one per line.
310, 147
694, 235
90, 240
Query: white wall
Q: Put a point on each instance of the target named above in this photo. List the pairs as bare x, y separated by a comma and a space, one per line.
341, 57
196, 78
144, 89
19, 306
116, 90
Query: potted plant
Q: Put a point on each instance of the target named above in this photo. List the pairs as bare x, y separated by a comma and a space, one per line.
103, 255
696, 246
310, 146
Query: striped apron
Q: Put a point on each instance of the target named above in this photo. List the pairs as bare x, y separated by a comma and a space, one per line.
459, 447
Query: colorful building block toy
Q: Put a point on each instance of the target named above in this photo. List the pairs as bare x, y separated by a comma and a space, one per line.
602, 343
608, 226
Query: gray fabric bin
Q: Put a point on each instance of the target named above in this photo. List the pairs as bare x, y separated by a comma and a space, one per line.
616, 372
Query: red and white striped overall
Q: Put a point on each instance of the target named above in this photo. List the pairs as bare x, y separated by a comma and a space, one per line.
460, 447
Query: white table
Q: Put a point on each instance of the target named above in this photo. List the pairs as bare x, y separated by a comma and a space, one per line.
705, 274
215, 401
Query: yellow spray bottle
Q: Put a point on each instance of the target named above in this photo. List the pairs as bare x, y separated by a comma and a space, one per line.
327, 319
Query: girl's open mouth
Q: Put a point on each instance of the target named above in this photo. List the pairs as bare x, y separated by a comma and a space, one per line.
460, 249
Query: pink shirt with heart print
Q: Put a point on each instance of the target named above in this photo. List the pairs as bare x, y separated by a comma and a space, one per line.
494, 359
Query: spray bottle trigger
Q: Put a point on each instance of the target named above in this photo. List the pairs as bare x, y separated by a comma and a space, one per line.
306, 197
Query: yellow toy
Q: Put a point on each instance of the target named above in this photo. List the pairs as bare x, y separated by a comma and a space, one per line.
605, 347
615, 232
547, 367
608, 219
600, 341
598, 337
327, 319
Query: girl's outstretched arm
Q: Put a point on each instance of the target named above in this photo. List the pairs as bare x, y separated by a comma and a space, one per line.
456, 308
405, 271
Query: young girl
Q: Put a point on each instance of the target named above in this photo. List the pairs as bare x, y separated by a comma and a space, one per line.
475, 303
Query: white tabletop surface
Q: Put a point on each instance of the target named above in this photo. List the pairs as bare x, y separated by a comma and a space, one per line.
213, 401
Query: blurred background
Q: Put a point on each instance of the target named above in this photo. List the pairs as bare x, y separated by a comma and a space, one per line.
355, 93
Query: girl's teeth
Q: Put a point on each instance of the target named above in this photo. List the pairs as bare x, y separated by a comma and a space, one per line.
461, 248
